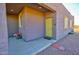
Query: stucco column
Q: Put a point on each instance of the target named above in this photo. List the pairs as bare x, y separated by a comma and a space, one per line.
3, 30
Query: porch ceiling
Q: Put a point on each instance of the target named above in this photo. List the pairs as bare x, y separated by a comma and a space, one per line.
15, 8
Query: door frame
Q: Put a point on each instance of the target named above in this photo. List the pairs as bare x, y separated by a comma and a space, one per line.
53, 28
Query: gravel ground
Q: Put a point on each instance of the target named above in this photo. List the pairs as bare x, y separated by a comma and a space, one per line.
70, 43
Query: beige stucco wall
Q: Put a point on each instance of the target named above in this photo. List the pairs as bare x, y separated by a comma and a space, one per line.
12, 22
3, 30
34, 27
32, 24
61, 11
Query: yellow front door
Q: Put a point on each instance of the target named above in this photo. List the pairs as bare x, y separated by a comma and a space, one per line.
48, 27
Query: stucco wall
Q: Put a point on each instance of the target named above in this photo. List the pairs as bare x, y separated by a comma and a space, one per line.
3, 30
12, 21
61, 11
33, 24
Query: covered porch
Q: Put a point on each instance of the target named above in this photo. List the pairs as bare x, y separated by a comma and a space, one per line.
35, 23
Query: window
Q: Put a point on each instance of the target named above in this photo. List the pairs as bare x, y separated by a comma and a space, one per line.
65, 22
20, 19
71, 23
20, 22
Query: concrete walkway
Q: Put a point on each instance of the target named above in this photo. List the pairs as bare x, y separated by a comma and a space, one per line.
70, 43
20, 47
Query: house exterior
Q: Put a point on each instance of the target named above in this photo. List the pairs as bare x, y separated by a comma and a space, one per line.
48, 20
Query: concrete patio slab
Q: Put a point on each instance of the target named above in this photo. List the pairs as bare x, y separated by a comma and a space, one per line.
20, 47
